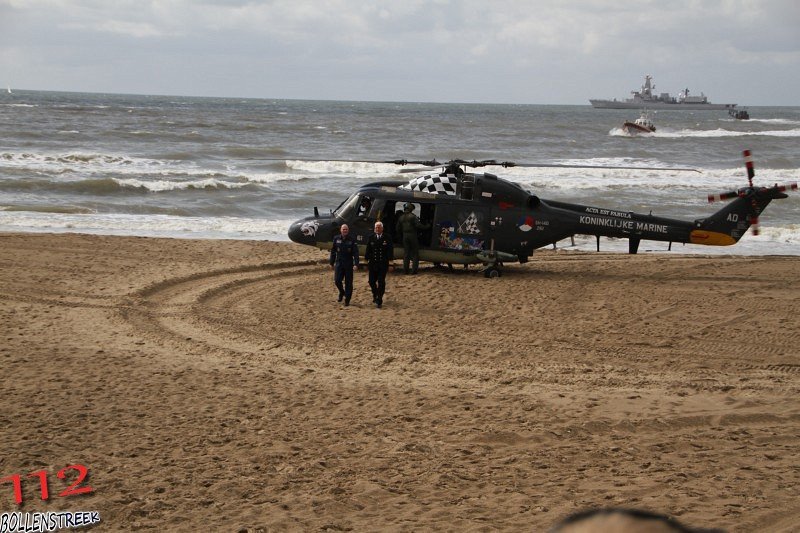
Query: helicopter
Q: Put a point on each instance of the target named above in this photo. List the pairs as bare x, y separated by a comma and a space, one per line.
476, 217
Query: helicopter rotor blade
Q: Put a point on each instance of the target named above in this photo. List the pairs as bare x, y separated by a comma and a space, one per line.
721, 197
475, 163
507, 164
785, 187
776, 191
416, 169
428, 163
432, 162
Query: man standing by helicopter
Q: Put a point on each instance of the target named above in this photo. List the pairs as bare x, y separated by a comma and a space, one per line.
379, 252
344, 260
407, 225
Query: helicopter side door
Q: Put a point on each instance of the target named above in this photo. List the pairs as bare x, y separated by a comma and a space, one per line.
507, 228
382, 210
426, 212
518, 229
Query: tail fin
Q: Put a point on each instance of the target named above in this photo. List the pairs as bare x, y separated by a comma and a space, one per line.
729, 224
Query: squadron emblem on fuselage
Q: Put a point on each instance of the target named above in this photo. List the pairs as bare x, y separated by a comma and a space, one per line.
309, 228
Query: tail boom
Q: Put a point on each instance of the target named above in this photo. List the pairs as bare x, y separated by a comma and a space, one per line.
729, 224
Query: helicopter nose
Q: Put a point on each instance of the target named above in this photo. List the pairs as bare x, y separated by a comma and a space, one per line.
295, 233
304, 231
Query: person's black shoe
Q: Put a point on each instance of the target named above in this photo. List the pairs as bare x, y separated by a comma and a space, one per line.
347, 301
374, 299
379, 304
341, 295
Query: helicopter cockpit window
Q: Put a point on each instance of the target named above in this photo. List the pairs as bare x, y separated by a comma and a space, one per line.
364, 206
349, 209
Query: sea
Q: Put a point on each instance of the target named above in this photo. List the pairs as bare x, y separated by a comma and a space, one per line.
240, 168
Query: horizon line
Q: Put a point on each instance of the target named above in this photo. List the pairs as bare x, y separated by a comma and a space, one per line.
165, 95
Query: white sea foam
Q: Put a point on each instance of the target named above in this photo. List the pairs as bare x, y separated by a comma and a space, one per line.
708, 181
619, 132
665, 133
165, 185
83, 161
668, 133
146, 225
273, 177
775, 121
357, 168
152, 174
608, 162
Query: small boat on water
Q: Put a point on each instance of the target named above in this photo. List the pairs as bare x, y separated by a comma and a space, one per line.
739, 114
643, 124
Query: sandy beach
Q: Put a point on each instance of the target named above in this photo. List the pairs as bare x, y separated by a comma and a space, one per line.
219, 386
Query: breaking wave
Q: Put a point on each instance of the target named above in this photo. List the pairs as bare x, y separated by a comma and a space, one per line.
666, 133
786, 121
146, 225
104, 173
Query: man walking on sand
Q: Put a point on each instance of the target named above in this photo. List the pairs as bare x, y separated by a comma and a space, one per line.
344, 260
380, 251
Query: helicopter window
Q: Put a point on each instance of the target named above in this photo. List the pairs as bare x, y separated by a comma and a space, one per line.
349, 208
382, 210
364, 206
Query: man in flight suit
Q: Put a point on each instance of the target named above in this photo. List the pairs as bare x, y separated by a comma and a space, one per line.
380, 251
344, 260
409, 224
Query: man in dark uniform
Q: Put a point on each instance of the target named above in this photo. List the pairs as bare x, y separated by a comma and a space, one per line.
344, 260
380, 251
408, 224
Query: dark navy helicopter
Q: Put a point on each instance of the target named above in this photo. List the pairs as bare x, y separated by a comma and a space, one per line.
480, 218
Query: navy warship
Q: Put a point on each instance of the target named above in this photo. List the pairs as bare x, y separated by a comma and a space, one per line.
647, 98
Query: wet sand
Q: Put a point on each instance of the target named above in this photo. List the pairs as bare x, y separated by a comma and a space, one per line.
218, 385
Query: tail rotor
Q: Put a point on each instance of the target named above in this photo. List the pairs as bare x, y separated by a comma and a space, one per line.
751, 172
758, 196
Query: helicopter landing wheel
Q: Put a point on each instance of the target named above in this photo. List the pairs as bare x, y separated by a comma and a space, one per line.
492, 272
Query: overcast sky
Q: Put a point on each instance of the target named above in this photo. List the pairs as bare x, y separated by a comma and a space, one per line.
498, 51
